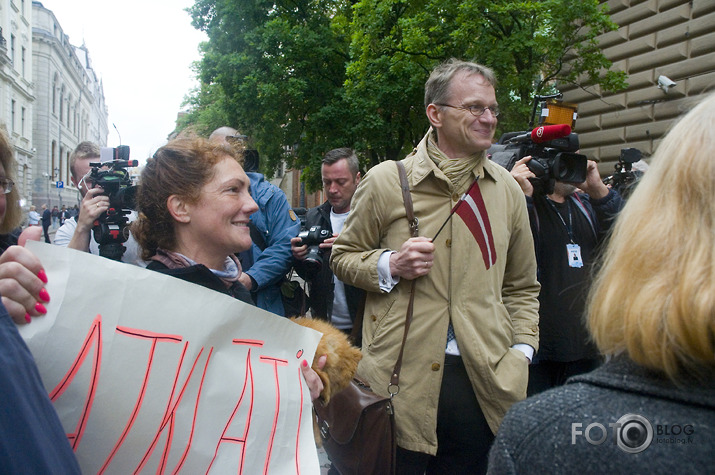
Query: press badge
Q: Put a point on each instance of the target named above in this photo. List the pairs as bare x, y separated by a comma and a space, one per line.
574, 253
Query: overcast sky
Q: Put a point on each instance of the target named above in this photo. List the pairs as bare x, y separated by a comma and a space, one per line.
142, 50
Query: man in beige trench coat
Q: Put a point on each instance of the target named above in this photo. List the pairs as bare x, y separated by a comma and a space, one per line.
475, 324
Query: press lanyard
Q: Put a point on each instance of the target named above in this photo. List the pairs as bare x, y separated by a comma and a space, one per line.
573, 250
569, 227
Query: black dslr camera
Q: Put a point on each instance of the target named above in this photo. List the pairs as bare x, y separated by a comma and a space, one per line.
110, 229
312, 238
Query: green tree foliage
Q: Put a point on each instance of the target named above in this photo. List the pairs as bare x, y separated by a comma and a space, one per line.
306, 76
276, 71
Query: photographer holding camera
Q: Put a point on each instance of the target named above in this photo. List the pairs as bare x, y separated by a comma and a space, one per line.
329, 299
76, 232
568, 227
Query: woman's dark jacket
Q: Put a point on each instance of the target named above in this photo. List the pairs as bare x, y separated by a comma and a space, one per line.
10, 239
202, 275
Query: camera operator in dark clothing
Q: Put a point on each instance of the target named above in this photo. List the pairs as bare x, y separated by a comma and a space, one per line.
568, 228
329, 299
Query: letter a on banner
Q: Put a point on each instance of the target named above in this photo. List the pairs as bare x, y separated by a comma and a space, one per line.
93, 340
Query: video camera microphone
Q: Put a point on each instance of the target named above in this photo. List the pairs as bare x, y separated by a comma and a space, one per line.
542, 134
553, 150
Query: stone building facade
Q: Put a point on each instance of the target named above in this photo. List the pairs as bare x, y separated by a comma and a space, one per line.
69, 108
16, 88
671, 38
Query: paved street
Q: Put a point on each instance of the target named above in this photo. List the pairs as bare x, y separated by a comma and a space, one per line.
324, 461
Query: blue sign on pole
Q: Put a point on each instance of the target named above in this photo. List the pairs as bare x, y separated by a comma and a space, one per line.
60, 184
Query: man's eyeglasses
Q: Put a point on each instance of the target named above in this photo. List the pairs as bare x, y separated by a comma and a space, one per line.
6, 185
476, 111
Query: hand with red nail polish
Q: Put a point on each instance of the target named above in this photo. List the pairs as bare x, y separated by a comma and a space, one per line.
44, 295
22, 284
315, 384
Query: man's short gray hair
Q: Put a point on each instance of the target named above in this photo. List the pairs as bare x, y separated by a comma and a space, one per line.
348, 154
437, 86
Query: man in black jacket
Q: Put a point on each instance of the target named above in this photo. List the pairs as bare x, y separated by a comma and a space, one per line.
330, 299
568, 227
46, 221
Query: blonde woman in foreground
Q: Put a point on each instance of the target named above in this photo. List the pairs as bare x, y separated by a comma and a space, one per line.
651, 408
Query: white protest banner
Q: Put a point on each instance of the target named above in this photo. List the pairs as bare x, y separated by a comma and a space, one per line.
151, 374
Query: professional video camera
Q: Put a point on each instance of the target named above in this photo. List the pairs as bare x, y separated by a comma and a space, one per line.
552, 148
553, 154
312, 238
110, 229
625, 178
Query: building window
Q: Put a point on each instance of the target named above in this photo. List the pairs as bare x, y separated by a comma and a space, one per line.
54, 154
25, 177
22, 52
12, 116
22, 121
12, 49
57, 170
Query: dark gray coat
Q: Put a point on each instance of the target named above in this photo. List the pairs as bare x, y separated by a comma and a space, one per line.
538, 434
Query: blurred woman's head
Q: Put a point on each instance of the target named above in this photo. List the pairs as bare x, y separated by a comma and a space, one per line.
10, 213
194, 199
654, 296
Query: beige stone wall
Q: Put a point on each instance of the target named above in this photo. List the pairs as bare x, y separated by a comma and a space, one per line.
675, 38
69, 108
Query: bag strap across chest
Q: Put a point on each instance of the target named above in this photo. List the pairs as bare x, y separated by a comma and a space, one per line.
394, 386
